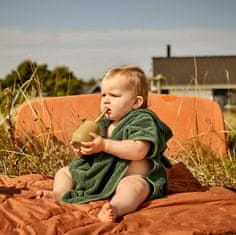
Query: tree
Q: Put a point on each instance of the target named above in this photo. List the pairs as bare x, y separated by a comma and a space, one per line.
36, 79
25, 77
31, 79
62, 82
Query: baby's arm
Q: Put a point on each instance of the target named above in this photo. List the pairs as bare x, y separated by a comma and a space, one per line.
125, 149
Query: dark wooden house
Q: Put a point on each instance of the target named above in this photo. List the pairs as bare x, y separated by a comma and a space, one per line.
213, 77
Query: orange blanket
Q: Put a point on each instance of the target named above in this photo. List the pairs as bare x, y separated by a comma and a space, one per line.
188, 209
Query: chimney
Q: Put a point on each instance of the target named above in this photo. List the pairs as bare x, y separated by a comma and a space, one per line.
168, 50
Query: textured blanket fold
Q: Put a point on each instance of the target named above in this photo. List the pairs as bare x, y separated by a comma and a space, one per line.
96, 176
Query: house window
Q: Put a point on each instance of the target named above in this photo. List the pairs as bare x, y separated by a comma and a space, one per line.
226, 98
164, 91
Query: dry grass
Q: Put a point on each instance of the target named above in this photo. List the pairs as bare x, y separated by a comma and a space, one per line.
31, 158
212, 171
20, 160
230, 125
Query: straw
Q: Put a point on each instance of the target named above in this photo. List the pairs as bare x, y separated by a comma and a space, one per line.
101, 115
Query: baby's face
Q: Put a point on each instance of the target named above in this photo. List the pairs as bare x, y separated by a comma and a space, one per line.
118, 96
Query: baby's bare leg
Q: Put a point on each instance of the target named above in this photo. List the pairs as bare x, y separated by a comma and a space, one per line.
131, 192
62, 184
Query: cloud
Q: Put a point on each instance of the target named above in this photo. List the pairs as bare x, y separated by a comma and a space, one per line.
90, 53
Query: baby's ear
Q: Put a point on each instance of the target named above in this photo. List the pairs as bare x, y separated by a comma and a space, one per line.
138, 102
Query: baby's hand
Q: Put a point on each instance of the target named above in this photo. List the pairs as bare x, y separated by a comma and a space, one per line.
94, 146
76, 149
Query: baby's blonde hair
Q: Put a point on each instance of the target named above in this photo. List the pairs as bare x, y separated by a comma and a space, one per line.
136, 77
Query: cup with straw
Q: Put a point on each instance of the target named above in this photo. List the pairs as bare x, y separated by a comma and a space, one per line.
88, 126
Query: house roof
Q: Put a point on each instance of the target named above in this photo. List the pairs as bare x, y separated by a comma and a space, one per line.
207, 69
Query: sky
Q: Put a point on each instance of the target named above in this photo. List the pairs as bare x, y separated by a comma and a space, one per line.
91, 36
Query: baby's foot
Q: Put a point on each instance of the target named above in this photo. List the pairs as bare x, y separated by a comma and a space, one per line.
45, 194
107, 213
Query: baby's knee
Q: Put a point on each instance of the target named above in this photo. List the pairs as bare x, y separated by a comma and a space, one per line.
136, 182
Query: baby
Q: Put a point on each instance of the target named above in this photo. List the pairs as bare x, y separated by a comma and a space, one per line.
131, 144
